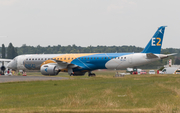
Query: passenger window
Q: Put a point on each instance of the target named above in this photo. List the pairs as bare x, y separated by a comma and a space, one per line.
38, 58
41, 58
124, 57
33, 59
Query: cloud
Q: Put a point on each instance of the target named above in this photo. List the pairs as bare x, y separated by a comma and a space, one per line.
7, 2
121, 6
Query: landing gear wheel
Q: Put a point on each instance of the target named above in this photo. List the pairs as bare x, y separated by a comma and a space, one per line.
91, 74
71, 74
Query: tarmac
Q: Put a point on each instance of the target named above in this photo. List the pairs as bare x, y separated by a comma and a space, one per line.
4, 78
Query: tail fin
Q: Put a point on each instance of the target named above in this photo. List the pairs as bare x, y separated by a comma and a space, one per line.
154, 45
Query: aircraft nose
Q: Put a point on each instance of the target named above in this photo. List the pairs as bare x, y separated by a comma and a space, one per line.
12, 65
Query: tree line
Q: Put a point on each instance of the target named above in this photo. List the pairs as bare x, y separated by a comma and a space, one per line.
10, 52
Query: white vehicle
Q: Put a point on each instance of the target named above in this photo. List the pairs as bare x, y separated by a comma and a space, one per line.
130, 70
152, 72
6, 74
169, 70
177, 71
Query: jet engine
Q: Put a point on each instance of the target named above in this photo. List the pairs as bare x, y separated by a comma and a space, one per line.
48, 69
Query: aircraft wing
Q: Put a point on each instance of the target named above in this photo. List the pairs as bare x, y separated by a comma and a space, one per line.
63, 64
5, 60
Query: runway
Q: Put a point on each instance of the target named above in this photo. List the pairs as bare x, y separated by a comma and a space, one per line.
4, 79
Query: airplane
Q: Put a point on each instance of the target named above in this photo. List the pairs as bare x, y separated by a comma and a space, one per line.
3, 68
79, 64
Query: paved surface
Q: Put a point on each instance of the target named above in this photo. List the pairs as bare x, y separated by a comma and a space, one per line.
28, 78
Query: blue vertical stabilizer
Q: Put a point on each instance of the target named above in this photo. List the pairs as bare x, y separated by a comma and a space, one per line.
154, 45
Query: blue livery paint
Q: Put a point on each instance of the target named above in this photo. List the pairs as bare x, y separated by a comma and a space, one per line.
154, 45
29, 66
96, 61
46, 69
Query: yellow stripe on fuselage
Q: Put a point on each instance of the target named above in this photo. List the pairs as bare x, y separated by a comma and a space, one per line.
66, 58
47, 62
70, 57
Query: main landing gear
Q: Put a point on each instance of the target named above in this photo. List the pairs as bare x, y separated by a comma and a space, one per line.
72, 74
91, 74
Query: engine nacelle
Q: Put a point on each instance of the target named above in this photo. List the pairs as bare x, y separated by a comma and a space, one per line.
48, 69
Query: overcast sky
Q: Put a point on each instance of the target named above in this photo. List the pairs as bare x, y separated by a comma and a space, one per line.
88, 22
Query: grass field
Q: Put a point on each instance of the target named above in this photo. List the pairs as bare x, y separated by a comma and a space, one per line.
103, 93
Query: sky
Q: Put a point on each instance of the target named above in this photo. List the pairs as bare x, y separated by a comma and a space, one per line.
88, 22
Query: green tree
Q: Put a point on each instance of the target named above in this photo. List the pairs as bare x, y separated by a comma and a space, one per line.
3, 51
11, 51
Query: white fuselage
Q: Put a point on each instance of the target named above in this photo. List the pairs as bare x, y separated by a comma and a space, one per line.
22, 62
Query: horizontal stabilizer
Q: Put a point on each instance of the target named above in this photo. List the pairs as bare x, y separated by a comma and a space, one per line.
171, 54
151, 56
165, 56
